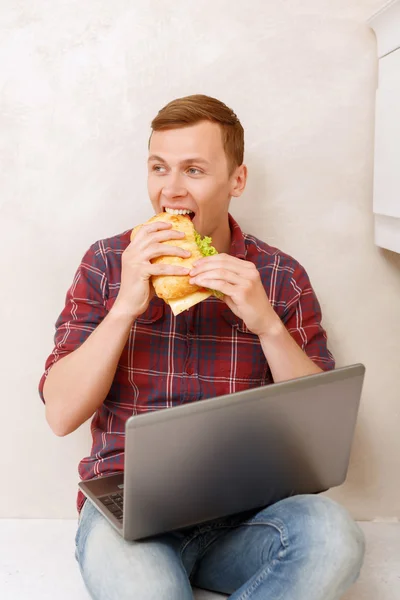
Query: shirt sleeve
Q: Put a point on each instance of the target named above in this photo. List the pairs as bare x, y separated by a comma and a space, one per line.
302, 317
84, 309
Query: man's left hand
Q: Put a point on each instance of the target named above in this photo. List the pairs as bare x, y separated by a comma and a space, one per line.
243, 290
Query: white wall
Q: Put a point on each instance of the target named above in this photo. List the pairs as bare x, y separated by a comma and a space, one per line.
80, 83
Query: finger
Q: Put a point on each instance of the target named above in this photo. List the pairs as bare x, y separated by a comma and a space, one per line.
157, 250
219, 285
158, 269
141, 230
156, 226
157, 241
225, 271
203, 279
161, 236
223, 261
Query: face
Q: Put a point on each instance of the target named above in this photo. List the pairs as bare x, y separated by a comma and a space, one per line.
188, 169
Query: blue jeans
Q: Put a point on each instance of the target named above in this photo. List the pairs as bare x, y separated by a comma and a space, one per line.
301, 548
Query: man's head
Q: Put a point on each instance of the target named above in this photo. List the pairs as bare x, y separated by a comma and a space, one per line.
196, 161
184, 112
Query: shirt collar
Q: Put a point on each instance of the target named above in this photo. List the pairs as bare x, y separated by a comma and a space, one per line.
238, 245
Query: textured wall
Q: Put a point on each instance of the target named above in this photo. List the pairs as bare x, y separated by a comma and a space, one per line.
80, 82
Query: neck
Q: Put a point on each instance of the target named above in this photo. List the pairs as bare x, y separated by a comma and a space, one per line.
222, 237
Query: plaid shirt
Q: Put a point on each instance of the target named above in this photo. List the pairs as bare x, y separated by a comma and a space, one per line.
203, 352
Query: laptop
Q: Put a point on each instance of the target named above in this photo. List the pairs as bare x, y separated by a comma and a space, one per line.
196, 462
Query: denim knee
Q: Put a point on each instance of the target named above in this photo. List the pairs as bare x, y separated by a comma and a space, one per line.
344, 537
325, 528
319, 531
114, 568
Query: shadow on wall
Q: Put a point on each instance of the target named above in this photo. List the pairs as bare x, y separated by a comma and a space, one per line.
256, 201
392, 259
263, 199
362, 471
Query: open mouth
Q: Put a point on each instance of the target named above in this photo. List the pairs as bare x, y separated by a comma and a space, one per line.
179, 211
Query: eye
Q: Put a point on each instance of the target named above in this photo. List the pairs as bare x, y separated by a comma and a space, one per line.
194, 171
158, 169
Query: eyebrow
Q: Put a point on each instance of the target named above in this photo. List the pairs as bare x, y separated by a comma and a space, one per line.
187, 161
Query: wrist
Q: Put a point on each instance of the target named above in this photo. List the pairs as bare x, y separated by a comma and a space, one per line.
273, 330
121, 313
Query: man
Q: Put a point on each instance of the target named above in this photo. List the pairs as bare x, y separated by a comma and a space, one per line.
120, 351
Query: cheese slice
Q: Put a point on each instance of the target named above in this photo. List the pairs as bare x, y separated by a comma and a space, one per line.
181, 304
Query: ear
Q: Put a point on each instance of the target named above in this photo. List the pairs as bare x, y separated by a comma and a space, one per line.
238, 178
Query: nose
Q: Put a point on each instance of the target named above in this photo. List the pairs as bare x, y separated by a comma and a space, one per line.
173, 187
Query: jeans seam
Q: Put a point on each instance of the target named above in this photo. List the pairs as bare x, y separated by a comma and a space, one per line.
260, 578
220, 527
278, 527
282, 537
80, 519
190, 538
203, 548
183, 547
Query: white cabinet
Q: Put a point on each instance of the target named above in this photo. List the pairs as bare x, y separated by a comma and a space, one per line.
386, 25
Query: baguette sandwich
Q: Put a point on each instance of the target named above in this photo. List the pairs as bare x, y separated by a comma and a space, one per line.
176, 290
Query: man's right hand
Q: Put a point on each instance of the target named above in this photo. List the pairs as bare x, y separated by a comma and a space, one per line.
136, 290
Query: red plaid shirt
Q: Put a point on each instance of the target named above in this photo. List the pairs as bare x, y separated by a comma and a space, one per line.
203, 352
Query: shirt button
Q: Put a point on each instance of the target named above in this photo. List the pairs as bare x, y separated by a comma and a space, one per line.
189, 370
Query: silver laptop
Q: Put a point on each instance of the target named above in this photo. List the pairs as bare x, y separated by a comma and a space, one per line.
196, 462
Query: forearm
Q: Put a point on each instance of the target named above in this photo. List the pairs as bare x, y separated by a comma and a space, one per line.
285, 358
78, 384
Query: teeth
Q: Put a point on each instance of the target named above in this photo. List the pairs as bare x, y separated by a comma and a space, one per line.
178, 211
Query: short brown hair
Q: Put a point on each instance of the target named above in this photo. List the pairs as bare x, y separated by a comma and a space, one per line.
190, 110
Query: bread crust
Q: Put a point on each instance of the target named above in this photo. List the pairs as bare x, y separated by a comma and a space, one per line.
172, 287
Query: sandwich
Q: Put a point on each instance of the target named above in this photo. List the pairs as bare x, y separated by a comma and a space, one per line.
176, 290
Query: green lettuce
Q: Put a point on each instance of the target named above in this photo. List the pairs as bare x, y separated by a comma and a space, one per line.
205, 247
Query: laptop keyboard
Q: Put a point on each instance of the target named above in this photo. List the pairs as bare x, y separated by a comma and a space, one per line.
115, 504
